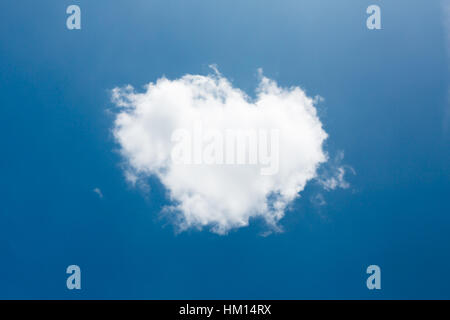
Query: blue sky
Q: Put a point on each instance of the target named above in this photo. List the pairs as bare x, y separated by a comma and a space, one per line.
386, 95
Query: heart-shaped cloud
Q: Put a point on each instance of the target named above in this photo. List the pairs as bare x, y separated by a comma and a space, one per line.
222, 156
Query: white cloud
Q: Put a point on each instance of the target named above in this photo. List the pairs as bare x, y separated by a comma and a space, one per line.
333, 176
219, 196
335, 181
98, 192
318, 200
